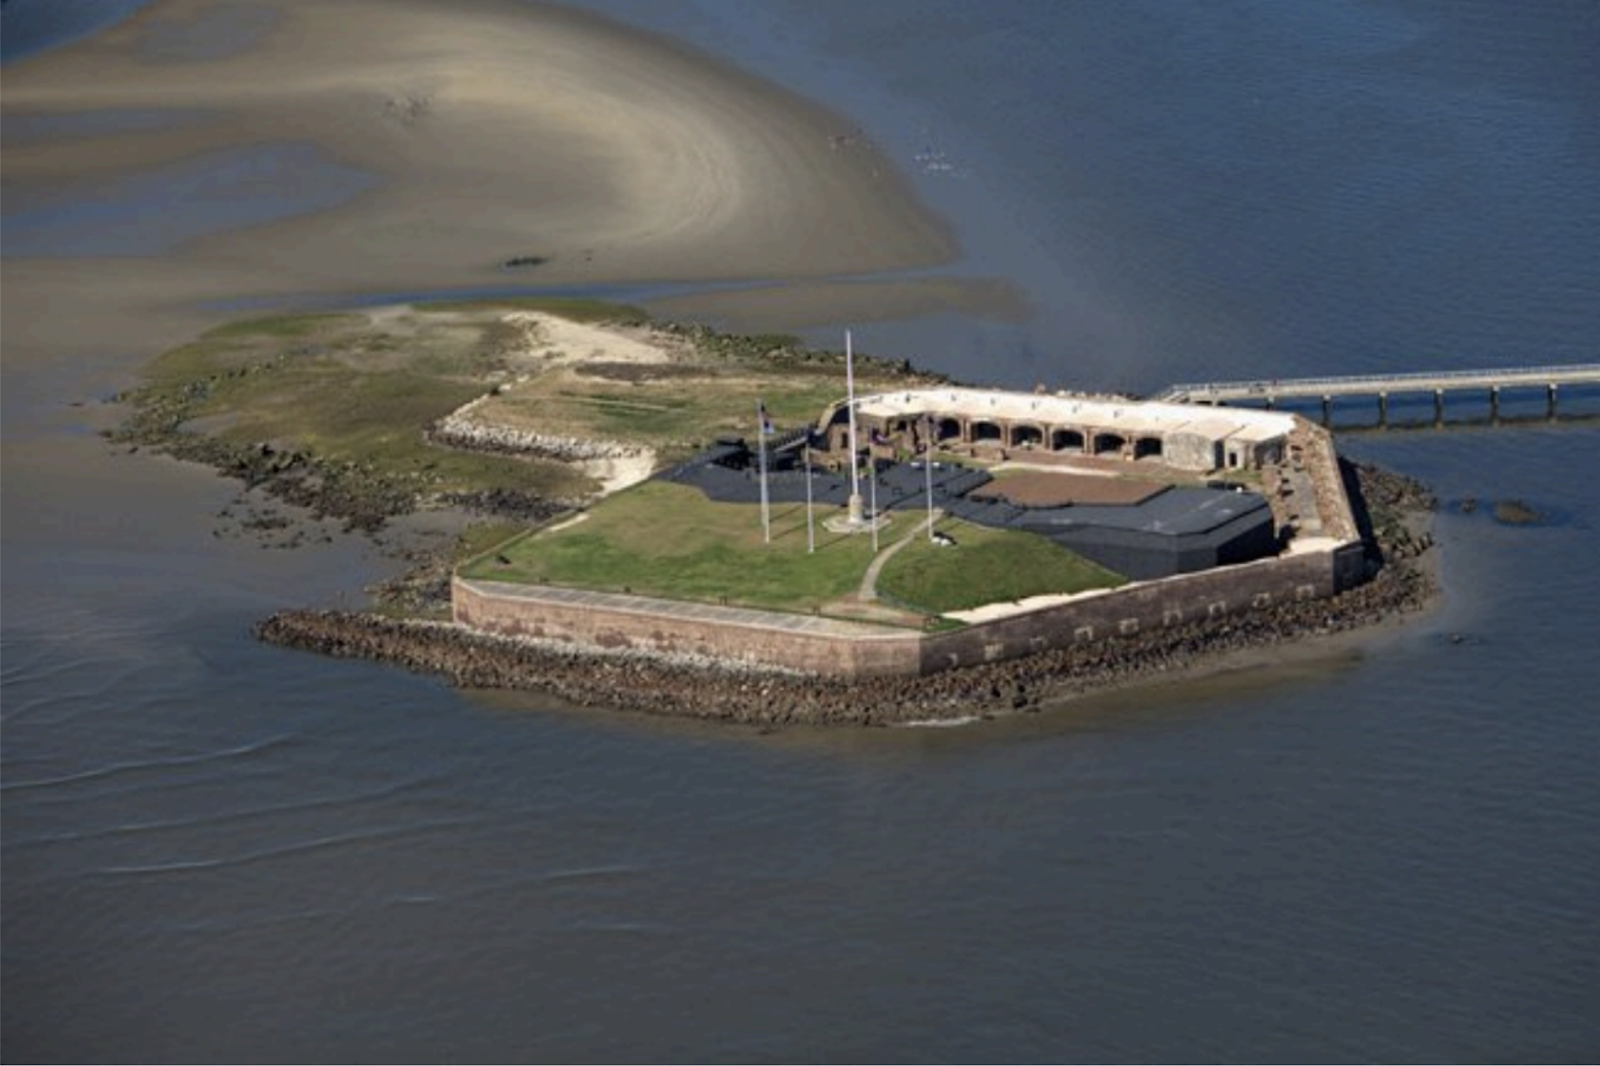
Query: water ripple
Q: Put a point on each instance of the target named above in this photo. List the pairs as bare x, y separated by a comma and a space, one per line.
296, 848
137, 765
220, 818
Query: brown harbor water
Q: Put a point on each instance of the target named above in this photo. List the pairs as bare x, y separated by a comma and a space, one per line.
215, 849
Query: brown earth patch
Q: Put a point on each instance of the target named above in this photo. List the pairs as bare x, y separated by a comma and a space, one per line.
1045, 489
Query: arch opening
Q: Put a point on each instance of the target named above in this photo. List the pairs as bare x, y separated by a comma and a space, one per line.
1066, 440
1108, 443
1027, 436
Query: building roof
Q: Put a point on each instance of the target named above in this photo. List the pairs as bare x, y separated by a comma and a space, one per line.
1179, 511
1133, 417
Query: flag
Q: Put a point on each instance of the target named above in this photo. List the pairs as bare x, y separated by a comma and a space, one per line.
766, 422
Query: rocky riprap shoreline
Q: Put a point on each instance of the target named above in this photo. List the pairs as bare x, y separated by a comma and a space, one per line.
458, 431
359, 495
707, 689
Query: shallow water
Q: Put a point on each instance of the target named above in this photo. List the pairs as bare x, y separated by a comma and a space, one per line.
215, 849
157, 209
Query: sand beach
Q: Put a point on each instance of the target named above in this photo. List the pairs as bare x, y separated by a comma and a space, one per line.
204, 160
370, 147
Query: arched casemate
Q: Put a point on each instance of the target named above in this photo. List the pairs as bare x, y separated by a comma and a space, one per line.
1106, 443
982, 431
1182, 436
1066, 440
1026, 435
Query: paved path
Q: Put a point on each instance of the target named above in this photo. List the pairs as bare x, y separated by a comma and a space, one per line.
869, 580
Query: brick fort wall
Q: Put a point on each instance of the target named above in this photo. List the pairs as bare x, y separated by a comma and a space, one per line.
853, 650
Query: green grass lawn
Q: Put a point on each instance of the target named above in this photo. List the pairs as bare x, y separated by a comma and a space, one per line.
676, 417
986, 566
668, 540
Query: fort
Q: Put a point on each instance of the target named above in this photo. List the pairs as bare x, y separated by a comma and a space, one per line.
1211, 512
632, 539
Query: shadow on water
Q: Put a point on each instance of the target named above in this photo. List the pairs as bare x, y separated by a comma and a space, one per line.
1578, 420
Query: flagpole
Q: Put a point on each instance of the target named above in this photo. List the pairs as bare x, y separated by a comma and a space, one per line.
811, 529
761, 444
927, 468
874, 489
850, 402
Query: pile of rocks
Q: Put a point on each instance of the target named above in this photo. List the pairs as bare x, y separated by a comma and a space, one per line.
457, 431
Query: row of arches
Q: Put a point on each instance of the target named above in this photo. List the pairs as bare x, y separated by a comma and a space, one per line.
1027, 435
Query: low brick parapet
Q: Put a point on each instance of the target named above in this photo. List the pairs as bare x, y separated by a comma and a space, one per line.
836, 647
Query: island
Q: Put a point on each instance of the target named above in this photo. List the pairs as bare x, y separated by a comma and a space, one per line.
670, 519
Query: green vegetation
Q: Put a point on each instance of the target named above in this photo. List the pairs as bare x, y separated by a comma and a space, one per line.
333, 411
986, 566
675, 413
708, 388
662, 539
481, 536
667, 540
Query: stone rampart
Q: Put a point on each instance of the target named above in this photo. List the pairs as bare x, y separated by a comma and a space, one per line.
1210, 595
798, 643
843, 649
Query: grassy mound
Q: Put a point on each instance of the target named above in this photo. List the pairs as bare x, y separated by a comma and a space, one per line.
986, 566
667, 540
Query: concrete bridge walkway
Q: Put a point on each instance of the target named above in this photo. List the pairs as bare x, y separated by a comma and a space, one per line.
1547, 377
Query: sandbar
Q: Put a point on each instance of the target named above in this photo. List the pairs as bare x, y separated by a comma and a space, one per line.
491, 130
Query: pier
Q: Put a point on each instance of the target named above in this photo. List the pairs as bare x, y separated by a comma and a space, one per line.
1382, 386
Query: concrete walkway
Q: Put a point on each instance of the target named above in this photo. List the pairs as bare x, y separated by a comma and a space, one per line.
869, 580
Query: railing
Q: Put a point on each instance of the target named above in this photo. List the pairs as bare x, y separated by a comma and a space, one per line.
1569, 374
